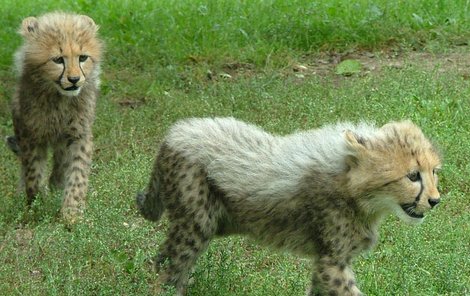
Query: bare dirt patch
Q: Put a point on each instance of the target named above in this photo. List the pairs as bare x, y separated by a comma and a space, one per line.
456, 61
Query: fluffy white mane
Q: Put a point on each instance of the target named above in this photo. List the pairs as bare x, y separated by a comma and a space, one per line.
238, 156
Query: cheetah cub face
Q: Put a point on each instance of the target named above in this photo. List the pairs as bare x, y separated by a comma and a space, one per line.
400, 169
65, 58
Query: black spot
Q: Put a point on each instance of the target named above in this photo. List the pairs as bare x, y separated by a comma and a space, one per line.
175, 229
202, 182
184, 225
36, 158
173, 189
190, 242
332, 293
179, 212
184, 257
351, 283
78, 170
70, 141
200, 202
337, 282
326, 277
195, 249
197, 228
171, 251
78, 159
198, 231
177, 239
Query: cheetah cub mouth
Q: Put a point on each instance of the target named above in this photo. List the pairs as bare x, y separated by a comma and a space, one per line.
71, 91
410, 210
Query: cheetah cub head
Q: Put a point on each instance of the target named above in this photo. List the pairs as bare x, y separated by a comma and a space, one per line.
394, 170
61, 51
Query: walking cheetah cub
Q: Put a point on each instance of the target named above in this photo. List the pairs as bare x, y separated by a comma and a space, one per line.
320, 193
54, 104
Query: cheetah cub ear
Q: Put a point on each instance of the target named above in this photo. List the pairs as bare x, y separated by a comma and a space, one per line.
29, 26
88, 21
356, 146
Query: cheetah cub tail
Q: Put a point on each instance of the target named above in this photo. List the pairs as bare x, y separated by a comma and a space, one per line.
150, 204
12, 144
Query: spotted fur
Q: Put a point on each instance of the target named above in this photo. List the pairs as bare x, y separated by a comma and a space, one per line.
54, 104
320, 193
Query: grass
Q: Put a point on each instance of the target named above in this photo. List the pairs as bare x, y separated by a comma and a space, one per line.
257, 42
260, 32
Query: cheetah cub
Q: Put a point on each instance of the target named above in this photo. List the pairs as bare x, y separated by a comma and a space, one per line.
320, 193
54, 104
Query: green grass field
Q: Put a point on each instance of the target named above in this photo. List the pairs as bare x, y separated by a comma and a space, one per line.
167, 60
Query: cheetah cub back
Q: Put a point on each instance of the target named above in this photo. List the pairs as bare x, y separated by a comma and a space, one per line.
54, 104
320, 193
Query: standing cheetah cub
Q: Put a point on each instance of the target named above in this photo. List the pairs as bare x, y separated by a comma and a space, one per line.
54, 104
320, 193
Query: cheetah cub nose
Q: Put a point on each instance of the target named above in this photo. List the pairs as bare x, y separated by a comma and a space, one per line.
73, 79
433, 202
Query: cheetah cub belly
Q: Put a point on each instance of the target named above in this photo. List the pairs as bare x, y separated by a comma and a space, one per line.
320, 193
54, 104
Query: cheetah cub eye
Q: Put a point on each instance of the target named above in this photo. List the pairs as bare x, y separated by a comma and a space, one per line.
82, 58
414, 176
58, 60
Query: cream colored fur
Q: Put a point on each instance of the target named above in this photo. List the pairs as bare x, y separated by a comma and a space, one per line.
320, 193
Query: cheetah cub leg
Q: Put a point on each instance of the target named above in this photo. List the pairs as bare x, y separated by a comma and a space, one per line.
177, 256
193, 215
56, 179
76, 163
332, 278
33, 162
